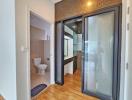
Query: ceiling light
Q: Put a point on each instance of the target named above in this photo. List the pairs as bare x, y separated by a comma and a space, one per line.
89, 3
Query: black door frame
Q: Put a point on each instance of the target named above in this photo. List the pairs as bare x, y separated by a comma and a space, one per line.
62, 53
116, 55
62, 48
116, 88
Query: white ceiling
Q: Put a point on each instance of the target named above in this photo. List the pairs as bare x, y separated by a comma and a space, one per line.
38, 22
55, 1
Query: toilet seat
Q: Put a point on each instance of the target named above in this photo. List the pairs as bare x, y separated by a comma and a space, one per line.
41, 67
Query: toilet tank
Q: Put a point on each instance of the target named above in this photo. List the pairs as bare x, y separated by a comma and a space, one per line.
37, 61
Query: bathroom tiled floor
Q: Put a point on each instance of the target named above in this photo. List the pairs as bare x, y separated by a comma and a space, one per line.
39, 79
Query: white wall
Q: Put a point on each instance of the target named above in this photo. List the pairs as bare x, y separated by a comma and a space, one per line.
7, 50
68, 68
124, 57
70, 47
45, 9
128, 92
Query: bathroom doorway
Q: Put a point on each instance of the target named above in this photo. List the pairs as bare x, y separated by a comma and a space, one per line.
39, 54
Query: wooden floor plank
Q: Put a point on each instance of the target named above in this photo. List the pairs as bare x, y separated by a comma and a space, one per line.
71, 90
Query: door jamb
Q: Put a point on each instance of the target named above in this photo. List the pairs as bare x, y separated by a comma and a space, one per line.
29, 11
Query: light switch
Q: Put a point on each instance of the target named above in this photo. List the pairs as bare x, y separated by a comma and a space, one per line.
24, 49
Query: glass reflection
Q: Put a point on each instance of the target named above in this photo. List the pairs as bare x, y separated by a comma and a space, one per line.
99, 53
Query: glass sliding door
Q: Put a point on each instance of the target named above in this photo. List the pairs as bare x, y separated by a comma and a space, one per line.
100, 55
59, 54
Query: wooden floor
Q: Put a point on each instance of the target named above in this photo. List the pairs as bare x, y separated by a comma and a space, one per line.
71, 90
1, 98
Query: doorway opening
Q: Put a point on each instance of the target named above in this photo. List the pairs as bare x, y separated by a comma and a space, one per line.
73, 50
39, 54
92, 42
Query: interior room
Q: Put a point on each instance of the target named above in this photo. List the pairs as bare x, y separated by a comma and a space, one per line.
39, 53
73, 49
66, 50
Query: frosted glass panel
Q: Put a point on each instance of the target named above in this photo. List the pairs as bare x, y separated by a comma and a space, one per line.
99, 42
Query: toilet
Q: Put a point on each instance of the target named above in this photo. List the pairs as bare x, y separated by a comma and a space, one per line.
41, 67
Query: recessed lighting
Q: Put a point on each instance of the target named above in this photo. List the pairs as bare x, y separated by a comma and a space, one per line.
89, 3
